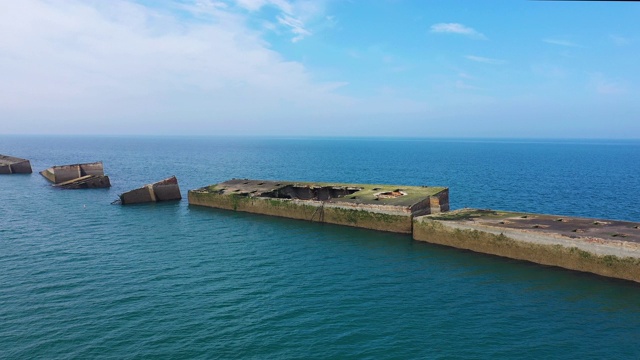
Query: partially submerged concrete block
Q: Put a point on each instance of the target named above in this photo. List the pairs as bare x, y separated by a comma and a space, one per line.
379, 207
14, 165
77, 176
604, 247
163, 190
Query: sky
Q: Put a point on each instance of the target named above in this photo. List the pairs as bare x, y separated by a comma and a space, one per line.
374, 68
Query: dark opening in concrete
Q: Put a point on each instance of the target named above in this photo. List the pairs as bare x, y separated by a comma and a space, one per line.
390, 194
310, 193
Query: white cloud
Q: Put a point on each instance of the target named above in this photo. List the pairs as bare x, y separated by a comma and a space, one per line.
485, 60
90, 64
252, 5
292, 16
296, 26
561, 42
455, 28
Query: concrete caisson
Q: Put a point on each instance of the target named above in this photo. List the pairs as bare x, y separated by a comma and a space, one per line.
77, 176
603, 247
164, 190
378, 207
14, 165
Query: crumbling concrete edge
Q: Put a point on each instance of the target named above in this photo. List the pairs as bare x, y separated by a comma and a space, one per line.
546, 251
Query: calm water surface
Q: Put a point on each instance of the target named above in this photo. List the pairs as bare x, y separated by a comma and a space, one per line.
81, 278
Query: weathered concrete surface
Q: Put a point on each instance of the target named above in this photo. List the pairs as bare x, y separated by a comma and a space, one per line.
14, 165
164, 190
379, 207
77, 176
604, 247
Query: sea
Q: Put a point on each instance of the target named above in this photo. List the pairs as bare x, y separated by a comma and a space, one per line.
81, 278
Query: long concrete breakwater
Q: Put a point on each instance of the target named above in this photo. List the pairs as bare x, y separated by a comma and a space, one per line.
377, 207
603, 247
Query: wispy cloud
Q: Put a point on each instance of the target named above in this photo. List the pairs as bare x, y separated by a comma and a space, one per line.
285, 6
462, 85
455, 28
561, 42
297, 27
292, 15
605, 86
485, 60
620, 40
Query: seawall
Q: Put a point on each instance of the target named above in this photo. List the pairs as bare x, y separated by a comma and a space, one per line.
14, 165
603, 247
378, 207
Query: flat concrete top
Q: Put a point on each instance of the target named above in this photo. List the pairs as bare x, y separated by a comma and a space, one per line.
565, 226
97, 164
8, 160
398, 195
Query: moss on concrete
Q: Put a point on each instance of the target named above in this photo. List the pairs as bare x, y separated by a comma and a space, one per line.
305, 210
434, 231
360, 205
470, 214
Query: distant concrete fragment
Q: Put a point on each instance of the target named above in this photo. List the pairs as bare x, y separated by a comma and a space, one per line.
164, 190
378, 207
77, 176
14, 165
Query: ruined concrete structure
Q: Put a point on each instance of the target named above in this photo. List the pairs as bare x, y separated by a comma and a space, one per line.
378, 207
604, 247
163, 190
77, 176
14, 165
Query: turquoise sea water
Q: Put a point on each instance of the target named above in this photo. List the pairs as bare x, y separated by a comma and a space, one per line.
80, 278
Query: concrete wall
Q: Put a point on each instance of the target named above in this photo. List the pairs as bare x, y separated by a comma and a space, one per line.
60, 174
49, 175
167, 192
23, 167
18, 167
66, 173
92, 169
317, 211
513, 247
136, 196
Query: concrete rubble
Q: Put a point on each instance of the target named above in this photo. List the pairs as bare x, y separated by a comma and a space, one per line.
14, 165
164, 190
77, 176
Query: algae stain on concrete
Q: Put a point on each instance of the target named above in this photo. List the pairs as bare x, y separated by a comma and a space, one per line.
487, 233
379, 207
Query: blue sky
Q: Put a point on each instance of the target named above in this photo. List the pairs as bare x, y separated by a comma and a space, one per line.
509, 68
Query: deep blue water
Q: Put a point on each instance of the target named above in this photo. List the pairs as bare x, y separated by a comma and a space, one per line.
80, 278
